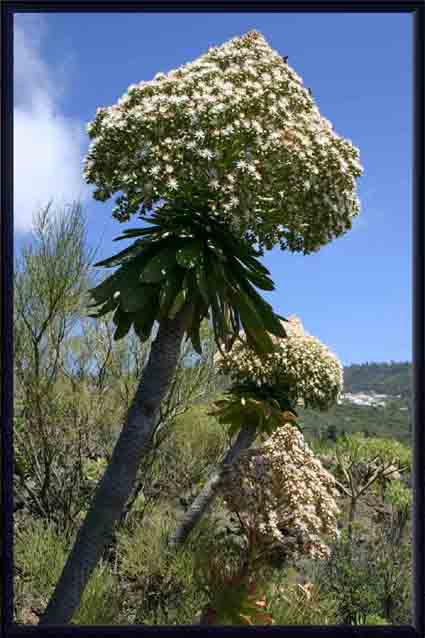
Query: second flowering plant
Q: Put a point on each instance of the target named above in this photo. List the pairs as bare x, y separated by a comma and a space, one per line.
301, 369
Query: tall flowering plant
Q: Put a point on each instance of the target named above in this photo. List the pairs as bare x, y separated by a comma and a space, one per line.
226, 156
232, 141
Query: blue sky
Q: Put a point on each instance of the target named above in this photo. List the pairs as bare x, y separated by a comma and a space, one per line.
354, 294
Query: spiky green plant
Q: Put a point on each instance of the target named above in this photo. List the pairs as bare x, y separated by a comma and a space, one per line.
185, 257
235, 597
252, 407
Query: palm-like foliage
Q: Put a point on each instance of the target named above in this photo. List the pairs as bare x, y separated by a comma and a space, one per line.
261, 408
187, 257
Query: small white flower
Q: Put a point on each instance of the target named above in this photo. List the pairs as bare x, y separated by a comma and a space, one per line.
173, 184
206, 154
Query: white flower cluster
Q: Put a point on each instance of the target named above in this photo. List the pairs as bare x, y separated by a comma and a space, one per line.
301, 366
283, 494
237, 130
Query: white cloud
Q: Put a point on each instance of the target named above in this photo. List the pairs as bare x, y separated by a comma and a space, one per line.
48, 147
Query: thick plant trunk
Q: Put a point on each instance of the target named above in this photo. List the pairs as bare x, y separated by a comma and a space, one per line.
118, 481
191, 518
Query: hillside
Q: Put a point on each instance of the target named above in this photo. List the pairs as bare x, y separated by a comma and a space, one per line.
393, 379
375, 401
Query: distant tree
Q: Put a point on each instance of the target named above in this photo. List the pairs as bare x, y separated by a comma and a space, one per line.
360, 463
51, 279
386, 378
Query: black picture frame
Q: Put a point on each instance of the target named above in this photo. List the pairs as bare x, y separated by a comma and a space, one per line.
8, 9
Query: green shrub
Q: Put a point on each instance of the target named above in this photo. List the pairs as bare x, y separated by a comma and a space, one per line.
195, 444
40, 555
160, 587
295, 604
349, 578
371, 619
100, 602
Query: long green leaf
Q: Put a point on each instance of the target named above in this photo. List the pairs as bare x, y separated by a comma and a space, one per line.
116, 260
190, 255
216, 288
107, 288
144, 321
123, 321
158, 267
252, 323
258, 279
134, 298
125, 276
137, 232
169, 290
194, 328
110, 305
202, 284
271, 321
243, 252
177, 304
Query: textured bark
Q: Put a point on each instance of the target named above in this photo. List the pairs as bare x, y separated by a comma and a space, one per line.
202, 502
118, 481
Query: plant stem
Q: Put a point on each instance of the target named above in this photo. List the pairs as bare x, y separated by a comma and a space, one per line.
119, 479
202, 502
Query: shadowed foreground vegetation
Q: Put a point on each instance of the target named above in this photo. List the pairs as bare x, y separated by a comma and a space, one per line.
366, 579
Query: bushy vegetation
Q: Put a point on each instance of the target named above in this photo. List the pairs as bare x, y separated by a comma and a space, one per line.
391, 420
142, 581
392, 378
73, 385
